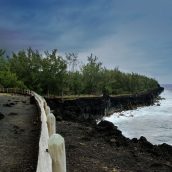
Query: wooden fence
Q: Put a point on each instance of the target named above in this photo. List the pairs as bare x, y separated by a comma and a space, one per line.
52, 156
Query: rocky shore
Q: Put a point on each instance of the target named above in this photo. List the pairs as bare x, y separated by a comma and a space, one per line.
103, 148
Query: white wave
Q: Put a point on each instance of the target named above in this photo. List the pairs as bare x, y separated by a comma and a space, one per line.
153, 122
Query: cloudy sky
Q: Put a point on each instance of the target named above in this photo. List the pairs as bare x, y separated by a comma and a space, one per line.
134, 35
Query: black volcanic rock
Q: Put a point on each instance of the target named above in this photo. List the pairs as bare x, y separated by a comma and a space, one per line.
32, 100
108, 128
144, 143
111, 134
93, 108
134, 140
165, 148
106, 125
1, 116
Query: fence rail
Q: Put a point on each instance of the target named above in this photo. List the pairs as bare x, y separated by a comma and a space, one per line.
16, 90
52, 155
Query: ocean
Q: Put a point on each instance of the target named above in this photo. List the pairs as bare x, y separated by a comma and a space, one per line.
153, 122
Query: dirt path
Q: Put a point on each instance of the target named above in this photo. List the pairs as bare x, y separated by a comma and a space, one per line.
90, 148
19, 134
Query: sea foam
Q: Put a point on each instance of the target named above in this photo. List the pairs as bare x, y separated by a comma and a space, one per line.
153, 122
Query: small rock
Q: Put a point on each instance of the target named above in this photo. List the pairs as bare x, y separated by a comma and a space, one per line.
12, 104
16, 127
113, 140
32, 100
59, 118
121, 114
15, 132
105, 168
134, 140
72, 146
114, 170
86, 138
143, 141
83, 144
1, 116
12, 114
7, 105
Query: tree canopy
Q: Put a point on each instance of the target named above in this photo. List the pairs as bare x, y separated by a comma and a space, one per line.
50, 73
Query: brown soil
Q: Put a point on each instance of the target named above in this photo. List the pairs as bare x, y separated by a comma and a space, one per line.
103, 148
19, 134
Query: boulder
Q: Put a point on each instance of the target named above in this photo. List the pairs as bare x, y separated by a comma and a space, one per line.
106, 125
144, 143
109, 129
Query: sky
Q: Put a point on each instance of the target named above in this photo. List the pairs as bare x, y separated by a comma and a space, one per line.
133, 35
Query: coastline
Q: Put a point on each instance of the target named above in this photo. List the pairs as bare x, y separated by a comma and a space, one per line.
102, 147
153, 122
94, 108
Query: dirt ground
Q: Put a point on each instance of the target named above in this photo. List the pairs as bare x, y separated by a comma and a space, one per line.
19, 134
104, 149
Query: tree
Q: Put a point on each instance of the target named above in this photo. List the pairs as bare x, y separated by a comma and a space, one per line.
10, 80
74, 83
3, 61
91, 75
72, 61
53, 73
27, 66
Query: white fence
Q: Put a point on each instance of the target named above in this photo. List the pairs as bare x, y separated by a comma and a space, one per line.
52, 156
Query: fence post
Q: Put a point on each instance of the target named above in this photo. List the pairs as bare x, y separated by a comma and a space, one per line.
51, 122
47, 110
56, 149
45, 105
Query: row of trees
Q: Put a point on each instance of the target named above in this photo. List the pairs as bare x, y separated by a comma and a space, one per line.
52, 74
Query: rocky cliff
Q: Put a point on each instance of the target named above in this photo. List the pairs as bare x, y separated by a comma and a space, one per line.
91, 108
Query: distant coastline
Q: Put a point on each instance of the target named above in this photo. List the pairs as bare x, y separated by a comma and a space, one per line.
167, 86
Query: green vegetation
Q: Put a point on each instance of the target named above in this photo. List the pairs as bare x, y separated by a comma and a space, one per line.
56, 75
7, 77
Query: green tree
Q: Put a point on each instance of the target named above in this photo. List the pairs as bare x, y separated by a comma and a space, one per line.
10, 80
7, 78
3, 61
53, 73
92, 76
27, 66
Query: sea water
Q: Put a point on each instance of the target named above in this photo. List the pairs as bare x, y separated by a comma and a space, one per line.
153, 122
